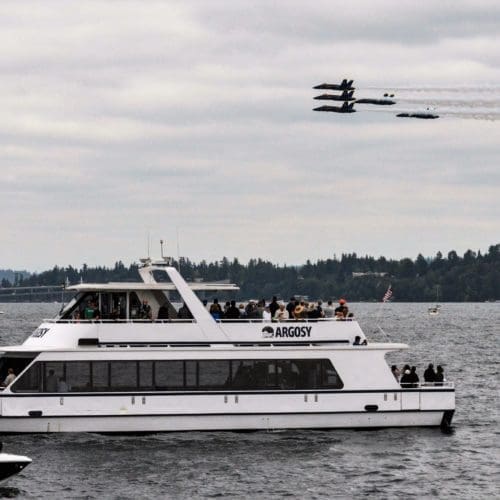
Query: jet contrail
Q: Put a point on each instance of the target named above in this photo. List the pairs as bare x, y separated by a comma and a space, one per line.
458, 89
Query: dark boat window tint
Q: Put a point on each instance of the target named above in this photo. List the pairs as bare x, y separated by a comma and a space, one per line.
191, 374
169, 375
30, 381
146, 375
288, 374
214, 374
243, 374
330, 377
100, 375
123, 375
135, 306
77, 377
53, 374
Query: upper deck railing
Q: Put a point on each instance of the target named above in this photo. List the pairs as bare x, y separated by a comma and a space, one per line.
179, 320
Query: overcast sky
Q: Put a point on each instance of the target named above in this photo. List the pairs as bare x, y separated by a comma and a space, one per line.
123, 119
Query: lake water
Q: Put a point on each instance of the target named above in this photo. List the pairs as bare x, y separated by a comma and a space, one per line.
389, 463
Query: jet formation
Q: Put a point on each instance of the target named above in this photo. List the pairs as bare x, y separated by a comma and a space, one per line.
348, 99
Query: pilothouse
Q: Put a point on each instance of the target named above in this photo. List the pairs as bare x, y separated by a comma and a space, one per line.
121, 357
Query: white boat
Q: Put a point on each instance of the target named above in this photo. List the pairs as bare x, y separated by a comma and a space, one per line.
434, 310
119, 370
11, 465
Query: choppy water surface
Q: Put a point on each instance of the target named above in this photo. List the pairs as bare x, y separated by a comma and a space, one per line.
389, 463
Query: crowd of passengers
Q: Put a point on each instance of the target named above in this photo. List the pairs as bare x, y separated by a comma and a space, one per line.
272, 311
278, 310
408, 377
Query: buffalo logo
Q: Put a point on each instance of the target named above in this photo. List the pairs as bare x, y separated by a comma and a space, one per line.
267, 332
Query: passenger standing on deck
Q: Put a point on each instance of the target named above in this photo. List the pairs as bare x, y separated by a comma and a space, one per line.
232, 311
440, 375
215, 309
329, 310
414, 380
281, 314
342, 309
290, 307
430, 374
273, 306
406, 379
88, 312
146, 310
395, 371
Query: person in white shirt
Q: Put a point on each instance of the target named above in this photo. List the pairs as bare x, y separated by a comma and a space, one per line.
11, 376
281, 313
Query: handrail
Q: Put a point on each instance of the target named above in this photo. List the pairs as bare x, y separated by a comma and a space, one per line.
428, 385
178, 320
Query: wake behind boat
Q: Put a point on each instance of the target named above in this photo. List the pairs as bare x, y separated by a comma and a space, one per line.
120, 358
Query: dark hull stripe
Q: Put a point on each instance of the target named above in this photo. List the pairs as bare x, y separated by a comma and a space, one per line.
214, 393
223, 414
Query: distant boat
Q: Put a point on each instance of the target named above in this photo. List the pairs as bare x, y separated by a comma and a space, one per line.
434, 310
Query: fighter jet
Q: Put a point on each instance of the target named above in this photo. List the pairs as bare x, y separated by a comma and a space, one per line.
344, 85
346, 108
380, 102
345, 96
423, 116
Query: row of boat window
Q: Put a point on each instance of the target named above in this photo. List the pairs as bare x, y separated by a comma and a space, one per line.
182, 375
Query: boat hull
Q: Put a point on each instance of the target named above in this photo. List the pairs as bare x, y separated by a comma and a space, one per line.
264, 421
149, 412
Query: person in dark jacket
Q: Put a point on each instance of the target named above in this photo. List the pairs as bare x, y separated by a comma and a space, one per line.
406, 379
232, 311
273, 306
184, 312
414, 380
439, 375
430, 374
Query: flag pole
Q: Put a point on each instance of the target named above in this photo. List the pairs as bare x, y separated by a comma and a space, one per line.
385, 298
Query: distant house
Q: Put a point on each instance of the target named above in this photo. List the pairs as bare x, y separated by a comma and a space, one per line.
369, 273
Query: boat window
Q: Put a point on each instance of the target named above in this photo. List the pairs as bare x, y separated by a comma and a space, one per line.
123, 375
30, 381
135, 306
113, 305
16, 362
169, 375
146, 374
53, 372
214, 374
77, 377
191, 374
187, 375
100, 376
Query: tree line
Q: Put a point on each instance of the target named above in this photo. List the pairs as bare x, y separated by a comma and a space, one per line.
472, 277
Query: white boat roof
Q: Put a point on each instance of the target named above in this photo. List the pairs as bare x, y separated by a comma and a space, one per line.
21, 349
122, 286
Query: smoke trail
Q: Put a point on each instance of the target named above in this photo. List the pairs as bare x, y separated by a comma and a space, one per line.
493, 88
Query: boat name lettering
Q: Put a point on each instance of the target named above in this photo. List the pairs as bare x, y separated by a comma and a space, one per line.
40, 332
293, 331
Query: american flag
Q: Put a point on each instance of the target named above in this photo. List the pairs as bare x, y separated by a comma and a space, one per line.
387, 294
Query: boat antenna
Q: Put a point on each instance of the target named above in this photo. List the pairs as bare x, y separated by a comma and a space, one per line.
161, 249
149, 245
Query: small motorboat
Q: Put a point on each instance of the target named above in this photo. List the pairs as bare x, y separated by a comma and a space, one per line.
434, 310
11, 464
